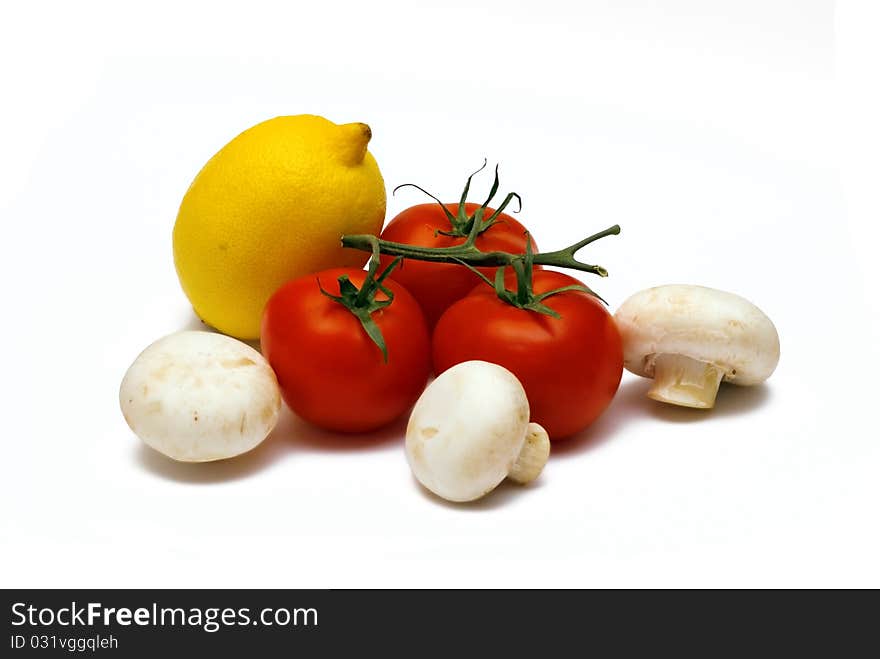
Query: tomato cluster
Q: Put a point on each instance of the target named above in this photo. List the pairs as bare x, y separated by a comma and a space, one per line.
335, 371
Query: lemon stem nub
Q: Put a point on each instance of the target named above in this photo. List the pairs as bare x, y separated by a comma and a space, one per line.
355, 138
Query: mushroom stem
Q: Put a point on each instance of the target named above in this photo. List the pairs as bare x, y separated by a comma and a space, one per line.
681, 380
532, 457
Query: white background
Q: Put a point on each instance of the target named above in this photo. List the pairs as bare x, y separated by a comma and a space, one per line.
735, 142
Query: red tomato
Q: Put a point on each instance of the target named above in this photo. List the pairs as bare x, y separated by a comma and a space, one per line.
437, 285
570, 366
330, 372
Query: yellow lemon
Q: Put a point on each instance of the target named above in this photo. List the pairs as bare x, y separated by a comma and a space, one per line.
270, 206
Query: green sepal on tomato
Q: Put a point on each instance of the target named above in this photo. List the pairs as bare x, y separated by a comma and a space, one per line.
436, 286
570, 366
331, 369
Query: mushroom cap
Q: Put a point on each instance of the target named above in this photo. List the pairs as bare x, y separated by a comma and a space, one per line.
702, 323
200, 396
467, 430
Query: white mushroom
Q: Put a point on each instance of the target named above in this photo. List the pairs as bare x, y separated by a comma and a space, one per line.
470, 429
689, 338
200, 396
